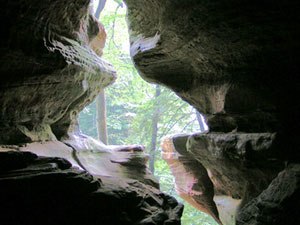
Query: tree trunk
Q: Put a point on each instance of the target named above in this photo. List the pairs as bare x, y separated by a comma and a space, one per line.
101, 117
200, 121
155, 119
100, 7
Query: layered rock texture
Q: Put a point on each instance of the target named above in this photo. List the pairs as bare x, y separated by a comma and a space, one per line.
50, 70
43, 190
238, 63
235, 61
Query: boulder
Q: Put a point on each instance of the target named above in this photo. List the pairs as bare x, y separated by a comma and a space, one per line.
92, 156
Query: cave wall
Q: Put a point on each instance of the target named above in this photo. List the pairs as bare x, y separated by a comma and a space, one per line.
234, 61
50, 173
49, 69
237, 62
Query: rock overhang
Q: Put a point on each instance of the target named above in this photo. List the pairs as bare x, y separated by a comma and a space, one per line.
236, 62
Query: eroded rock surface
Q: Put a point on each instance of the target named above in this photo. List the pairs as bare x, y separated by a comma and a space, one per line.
49, 69
43, 190
192, 182
214, 169
237, 63
90, 155
236, 160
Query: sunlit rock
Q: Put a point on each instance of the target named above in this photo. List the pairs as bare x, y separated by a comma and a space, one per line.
85, 153
98, 42
216, 170
192, 182
50, 68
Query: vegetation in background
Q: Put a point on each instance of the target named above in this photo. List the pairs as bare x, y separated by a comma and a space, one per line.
139, 112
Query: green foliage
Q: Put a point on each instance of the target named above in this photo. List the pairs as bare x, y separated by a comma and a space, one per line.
130, 106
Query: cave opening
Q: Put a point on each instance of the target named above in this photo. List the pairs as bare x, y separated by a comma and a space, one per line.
138, 112
236, 62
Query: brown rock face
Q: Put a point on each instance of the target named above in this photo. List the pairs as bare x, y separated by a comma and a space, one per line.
85, 153
217, 171
238, 63
192, 182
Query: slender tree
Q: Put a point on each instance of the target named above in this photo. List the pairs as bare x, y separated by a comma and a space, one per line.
101, 117
155, 119
101, 100
100, 7
200, 121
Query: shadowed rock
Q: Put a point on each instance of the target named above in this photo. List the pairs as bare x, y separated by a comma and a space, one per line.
277, 204
235, 59
42, 190
237, 62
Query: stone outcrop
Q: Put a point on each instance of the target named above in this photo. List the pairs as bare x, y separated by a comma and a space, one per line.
238, 64
214, 169
192, 182
50, 70
90, 155
43, 190
235, 61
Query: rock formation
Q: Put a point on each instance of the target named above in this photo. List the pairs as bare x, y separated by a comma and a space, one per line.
50, 70
43, 190
192, 182
237, 62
